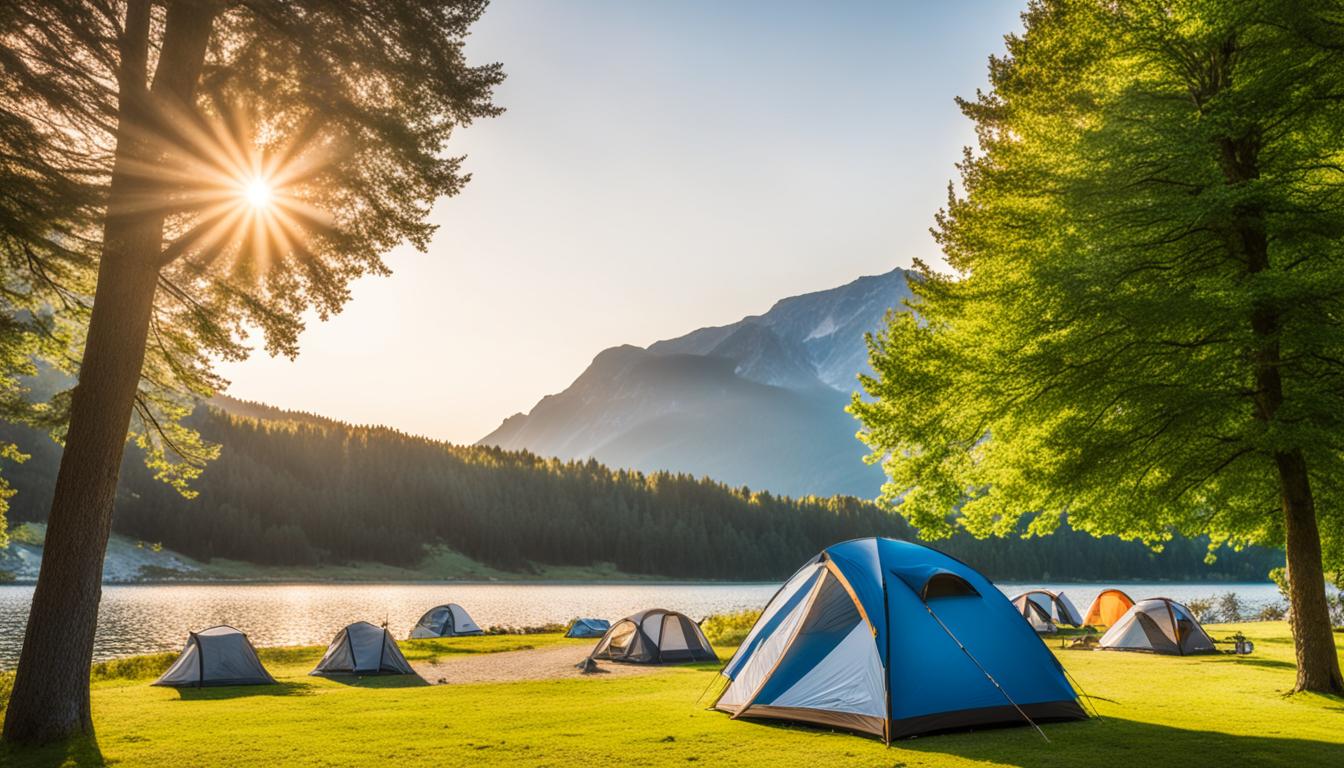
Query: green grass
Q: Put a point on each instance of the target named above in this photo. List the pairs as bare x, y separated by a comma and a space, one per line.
727, 629
1157, 711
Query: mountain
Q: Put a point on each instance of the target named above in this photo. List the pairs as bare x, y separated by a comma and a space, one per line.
759, 402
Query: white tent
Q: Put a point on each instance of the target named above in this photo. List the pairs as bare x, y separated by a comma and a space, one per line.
448, 620
1044, 610
1158, 625
216, 656
653, 637
363, 649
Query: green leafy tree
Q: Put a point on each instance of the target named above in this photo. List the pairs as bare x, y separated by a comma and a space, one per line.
227, 165
1143, 331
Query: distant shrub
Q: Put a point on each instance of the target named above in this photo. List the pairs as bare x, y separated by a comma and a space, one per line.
7, 577
1280, 578
151, 572
1275, 611
1202, 608
6, 684
133, 667
1228, 608
729, 628
28, 533
1336, 603
543, 629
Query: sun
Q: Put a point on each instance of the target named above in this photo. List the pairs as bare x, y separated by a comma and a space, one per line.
258, 193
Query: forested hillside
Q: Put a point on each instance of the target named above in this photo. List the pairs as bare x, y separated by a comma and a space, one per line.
305, 490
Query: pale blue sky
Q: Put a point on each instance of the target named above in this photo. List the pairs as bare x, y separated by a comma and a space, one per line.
661, 167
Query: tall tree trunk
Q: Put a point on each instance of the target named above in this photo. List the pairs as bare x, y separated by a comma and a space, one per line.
1314, 640
50, 698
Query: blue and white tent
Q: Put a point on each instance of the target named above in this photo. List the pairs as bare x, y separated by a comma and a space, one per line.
894, 639
588, 628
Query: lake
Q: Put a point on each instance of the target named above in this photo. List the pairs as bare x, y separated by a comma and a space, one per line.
144, 618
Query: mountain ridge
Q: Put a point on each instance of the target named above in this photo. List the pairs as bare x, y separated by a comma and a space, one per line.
758, 402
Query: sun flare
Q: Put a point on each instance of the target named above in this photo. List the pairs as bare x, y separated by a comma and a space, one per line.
258, 193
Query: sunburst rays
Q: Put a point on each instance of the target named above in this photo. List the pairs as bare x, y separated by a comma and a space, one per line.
230, 187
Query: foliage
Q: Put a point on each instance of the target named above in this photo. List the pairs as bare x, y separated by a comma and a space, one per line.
1093, 355
542, 629
1209, 709
728, 629
31, 535
1229, 608
1201, 608
301, 491
6, 684
149, 665
344, 108
1276, 611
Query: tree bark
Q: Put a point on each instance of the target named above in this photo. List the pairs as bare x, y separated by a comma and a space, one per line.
50, 698
1314, 639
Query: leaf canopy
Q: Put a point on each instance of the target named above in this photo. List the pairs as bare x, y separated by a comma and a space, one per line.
1091, 353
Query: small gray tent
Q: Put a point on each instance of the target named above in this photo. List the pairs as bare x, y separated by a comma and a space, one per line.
363, 649
1158, 625
654, 637
449, 620
1044, 610
216, 656
588, 628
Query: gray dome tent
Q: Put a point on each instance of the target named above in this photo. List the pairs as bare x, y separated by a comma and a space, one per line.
1158, 625
449, 620
216, 656
588, 628
1044, 609
653, 637
363, 649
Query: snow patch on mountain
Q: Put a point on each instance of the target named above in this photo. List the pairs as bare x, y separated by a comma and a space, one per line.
827, 327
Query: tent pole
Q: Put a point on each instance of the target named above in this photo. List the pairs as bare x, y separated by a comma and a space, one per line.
988, 676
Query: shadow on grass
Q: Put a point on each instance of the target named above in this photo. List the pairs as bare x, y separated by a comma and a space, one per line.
1264, 663
1102, 742
1080, 744
216, 693
378, 681
81, 752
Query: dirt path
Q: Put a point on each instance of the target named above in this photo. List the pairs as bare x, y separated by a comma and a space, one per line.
515, 666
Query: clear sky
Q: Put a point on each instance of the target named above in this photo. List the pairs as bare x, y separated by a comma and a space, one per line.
662, 166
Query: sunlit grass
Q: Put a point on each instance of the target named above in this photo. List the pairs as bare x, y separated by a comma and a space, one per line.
1196, 711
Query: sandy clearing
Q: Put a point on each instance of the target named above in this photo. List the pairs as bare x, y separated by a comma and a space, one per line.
516, 666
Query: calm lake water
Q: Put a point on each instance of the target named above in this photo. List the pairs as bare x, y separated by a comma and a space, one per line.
146, 618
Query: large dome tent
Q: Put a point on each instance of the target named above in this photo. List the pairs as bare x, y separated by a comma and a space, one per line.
1158, 625
655, 636
1107, 608
363, 649
894, 639
448, 620
216, 656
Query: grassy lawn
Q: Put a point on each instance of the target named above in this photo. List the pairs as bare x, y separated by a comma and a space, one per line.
1157, 711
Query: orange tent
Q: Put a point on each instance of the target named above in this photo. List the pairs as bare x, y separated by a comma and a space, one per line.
1107, 609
